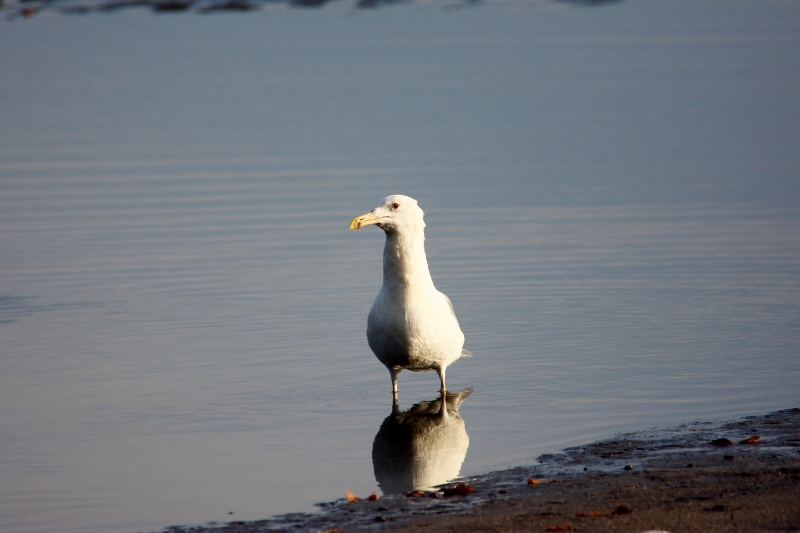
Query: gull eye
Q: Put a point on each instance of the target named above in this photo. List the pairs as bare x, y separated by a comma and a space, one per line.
395, 205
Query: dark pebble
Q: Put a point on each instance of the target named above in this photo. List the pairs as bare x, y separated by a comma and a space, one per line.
722, 442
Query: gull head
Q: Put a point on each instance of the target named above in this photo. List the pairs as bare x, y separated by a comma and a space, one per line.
395, 214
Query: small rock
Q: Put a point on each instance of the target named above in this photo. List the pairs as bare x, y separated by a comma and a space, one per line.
622, 509
459, 490
722, 442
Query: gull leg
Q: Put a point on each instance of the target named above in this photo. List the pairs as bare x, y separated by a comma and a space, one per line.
443, 389
394, 372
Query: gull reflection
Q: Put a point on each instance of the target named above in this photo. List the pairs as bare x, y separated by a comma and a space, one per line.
422, 447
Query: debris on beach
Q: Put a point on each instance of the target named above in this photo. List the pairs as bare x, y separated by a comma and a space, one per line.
751, 440
459, 490
722, 442
352, 498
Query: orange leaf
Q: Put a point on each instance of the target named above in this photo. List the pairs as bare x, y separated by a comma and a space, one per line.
751, 440
532, 481
350, 496
415, 494
373, 497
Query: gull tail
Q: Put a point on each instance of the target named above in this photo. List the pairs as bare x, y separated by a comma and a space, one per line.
466, 353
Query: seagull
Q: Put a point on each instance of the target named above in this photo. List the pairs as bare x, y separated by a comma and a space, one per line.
411, 325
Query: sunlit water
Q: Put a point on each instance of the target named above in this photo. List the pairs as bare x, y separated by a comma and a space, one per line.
612, 205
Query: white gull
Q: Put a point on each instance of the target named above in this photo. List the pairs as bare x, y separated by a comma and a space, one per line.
411, 325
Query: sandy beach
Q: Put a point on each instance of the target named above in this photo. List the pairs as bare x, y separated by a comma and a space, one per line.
733, 476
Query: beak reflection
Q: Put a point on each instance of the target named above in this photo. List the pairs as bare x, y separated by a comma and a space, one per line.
422, 447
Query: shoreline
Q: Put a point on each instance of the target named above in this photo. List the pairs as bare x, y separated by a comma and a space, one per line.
672, 479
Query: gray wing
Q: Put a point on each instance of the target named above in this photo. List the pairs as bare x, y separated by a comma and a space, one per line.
452, 310
464, 353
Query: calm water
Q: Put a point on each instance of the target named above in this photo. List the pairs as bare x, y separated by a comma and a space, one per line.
612, 205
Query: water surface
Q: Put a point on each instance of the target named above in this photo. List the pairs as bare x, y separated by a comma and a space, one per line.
611, 197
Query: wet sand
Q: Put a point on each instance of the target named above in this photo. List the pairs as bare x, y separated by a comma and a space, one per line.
673, 479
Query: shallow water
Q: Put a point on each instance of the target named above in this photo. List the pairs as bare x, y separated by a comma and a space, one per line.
611, 197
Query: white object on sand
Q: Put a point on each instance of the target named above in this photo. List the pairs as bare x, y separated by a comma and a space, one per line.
411, 325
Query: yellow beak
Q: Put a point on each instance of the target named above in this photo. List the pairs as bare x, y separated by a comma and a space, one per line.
365, 220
